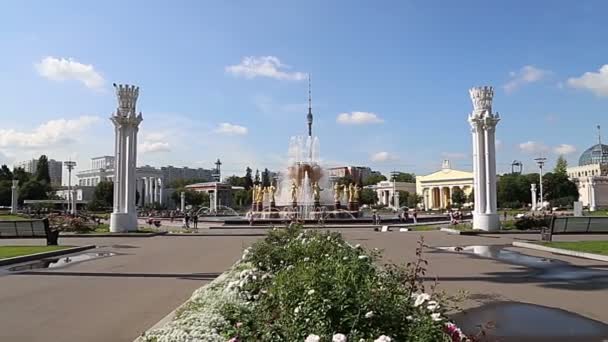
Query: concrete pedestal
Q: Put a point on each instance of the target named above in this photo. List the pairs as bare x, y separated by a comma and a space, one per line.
487, 222
123, 222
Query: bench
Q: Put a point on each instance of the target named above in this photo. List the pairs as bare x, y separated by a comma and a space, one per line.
575, 225
29, 229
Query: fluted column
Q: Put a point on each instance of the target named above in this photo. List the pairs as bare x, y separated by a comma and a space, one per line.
592, 204
490, 167
481, 202
155, 190
160, 191
533, 191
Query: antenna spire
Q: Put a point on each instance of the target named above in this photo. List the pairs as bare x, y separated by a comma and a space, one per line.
599, 135
309, 115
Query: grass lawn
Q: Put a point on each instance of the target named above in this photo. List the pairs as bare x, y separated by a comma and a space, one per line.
104, 228
424, 228
596, 247
9, 217
13, 251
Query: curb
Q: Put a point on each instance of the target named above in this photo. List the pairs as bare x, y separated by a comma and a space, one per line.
561, 251
217, 234
79, 235
483, 232
43, 255
163, 321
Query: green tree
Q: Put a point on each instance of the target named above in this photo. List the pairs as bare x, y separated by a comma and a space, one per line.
34, 190
266, 178
103, 196
561, 166
413, 200
405, 177
42, 170
471, 197
404, 197
5, 173
458, 196
346, 180
559, 190
6, 192
368, 196
193, 198
235, 180
248, 179
242, 198
20, 174
374, 179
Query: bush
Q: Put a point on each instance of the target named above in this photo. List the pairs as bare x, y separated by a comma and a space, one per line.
300, 285
532, 222
70, 224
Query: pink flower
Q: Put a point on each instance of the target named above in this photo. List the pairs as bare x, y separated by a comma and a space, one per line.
234, 339
454, 332
239, 324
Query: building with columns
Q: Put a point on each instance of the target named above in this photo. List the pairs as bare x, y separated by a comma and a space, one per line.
436, 188
591, 176
384, 190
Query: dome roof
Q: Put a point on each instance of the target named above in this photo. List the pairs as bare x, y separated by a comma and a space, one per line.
596, 154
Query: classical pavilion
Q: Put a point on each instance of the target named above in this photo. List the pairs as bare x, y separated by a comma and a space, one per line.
436, 188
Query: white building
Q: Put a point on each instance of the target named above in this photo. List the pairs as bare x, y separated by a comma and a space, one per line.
436, 188
149, 180
55, 169
358, 173
385, 190
591, 176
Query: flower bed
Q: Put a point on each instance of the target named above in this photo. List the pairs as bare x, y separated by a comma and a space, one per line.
311, 286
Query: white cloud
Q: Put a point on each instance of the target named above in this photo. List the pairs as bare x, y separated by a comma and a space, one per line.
595, 82
533, 147
264, 66
564, 149
154, 146
527, 74
62, 69
454, 155
382, 157
230, 129
358, 118
53, 132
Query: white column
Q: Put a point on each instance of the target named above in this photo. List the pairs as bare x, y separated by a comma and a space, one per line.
481, 170
183, 202
117, 157
145, 191
160, 191
155, 190
490, 170
592, 204
533, 191
14, 198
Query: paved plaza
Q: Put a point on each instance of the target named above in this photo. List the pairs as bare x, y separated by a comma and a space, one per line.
117, 298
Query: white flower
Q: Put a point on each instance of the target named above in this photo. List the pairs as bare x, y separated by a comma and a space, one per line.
345, 258
370, 314
420, 298
328, 237
361, 257
313, 338
383, 338
326, 255
307, 259
338, 338
310, 292
436, 316
290, 267
432, 305
357, 245
296, 310
409, 318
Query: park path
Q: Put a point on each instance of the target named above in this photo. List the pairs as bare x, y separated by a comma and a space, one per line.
115, 298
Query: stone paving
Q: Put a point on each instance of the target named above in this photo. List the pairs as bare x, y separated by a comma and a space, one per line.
117, 298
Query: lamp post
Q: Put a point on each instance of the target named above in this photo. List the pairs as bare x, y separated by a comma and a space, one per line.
71, 204
541, 162
395, 196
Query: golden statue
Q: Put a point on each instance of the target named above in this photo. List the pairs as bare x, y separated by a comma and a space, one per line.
271, 191
294, 192
357, 192
338, 192
260, 194
254, 193
316, 190
347, 192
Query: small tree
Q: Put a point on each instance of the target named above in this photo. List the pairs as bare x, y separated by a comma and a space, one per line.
405, 177
368, 196
242, 198
5, 173
374, 179
561, 166
458, 196
248, 178
404, 197
103, 196
42, 170
413, 200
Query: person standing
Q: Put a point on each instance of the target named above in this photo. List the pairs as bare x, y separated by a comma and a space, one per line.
195, 220
415, 216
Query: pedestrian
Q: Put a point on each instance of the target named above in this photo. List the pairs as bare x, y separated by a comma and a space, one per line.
172, 215
415, 216
505, 215
374, 219
195, 220
186, 220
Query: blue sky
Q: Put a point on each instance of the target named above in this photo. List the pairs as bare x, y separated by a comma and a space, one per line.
403, 67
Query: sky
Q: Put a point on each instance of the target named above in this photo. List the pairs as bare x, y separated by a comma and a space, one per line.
228, 80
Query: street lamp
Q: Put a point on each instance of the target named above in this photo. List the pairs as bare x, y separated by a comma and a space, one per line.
395, 196
541, 162
71, 204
